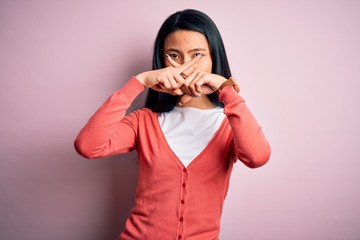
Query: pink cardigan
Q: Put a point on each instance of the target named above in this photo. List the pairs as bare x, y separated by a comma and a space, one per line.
174, 202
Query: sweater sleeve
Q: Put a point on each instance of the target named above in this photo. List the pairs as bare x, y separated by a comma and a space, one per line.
108, 131
250, 144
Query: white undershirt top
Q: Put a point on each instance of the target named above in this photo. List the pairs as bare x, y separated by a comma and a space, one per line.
189, 130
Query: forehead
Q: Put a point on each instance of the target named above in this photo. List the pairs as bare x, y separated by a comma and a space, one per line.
185, 39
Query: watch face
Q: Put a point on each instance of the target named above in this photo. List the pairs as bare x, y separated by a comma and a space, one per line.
237, 88
235, 85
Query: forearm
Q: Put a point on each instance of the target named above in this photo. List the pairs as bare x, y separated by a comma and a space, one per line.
96, 139
250, 144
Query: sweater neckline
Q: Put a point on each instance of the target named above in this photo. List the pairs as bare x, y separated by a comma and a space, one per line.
197, 110
172, 153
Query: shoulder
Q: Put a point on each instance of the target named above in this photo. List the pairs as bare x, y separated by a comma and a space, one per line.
142, 113
142, 118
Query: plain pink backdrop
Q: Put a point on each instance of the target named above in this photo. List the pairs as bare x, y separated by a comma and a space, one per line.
298, 64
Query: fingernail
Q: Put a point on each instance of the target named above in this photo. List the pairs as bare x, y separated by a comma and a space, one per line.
180, 103
167, 55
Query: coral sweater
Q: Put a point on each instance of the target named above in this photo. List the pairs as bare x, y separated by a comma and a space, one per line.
174, 202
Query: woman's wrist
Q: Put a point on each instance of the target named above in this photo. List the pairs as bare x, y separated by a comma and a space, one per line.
229, 82
222, 82
141, 78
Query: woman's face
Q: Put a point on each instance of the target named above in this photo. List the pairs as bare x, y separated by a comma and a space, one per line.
184, 45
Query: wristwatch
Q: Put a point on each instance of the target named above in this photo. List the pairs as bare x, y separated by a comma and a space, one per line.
230, 82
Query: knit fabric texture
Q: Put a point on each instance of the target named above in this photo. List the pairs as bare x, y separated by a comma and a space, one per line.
173, 201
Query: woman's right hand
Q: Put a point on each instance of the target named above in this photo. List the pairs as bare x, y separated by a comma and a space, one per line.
167, 79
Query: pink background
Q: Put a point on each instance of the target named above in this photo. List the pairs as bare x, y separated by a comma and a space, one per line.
298, 64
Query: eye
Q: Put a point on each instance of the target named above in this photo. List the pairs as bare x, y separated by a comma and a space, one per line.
198, 55
174, 56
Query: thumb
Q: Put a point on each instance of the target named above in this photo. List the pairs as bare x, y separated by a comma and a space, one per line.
185, 98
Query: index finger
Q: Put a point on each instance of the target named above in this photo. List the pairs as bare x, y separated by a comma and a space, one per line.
171, 61
187, 65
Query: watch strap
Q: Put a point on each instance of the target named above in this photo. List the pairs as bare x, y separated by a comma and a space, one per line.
230, 82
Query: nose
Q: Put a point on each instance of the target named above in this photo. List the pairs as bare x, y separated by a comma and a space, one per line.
186, 58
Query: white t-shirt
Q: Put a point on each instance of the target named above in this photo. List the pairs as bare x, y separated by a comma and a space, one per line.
189, 130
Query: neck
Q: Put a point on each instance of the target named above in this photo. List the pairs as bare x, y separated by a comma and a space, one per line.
202, 102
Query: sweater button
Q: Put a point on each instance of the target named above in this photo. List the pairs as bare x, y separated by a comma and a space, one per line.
184, 169
179, 237
184, 185
182, 201
181, 219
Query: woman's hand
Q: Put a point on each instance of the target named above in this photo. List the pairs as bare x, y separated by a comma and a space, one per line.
200, 82
197, 82
167, 79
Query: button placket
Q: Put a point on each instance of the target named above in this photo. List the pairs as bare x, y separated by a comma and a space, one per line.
181, 206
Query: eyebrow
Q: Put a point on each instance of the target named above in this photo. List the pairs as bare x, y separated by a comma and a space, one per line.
192, 50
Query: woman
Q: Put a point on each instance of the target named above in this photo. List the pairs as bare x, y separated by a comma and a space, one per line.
192, 130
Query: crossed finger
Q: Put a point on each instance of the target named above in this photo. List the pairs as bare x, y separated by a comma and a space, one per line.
184, 69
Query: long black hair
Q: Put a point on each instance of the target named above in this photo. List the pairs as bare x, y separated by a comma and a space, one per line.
193, 20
